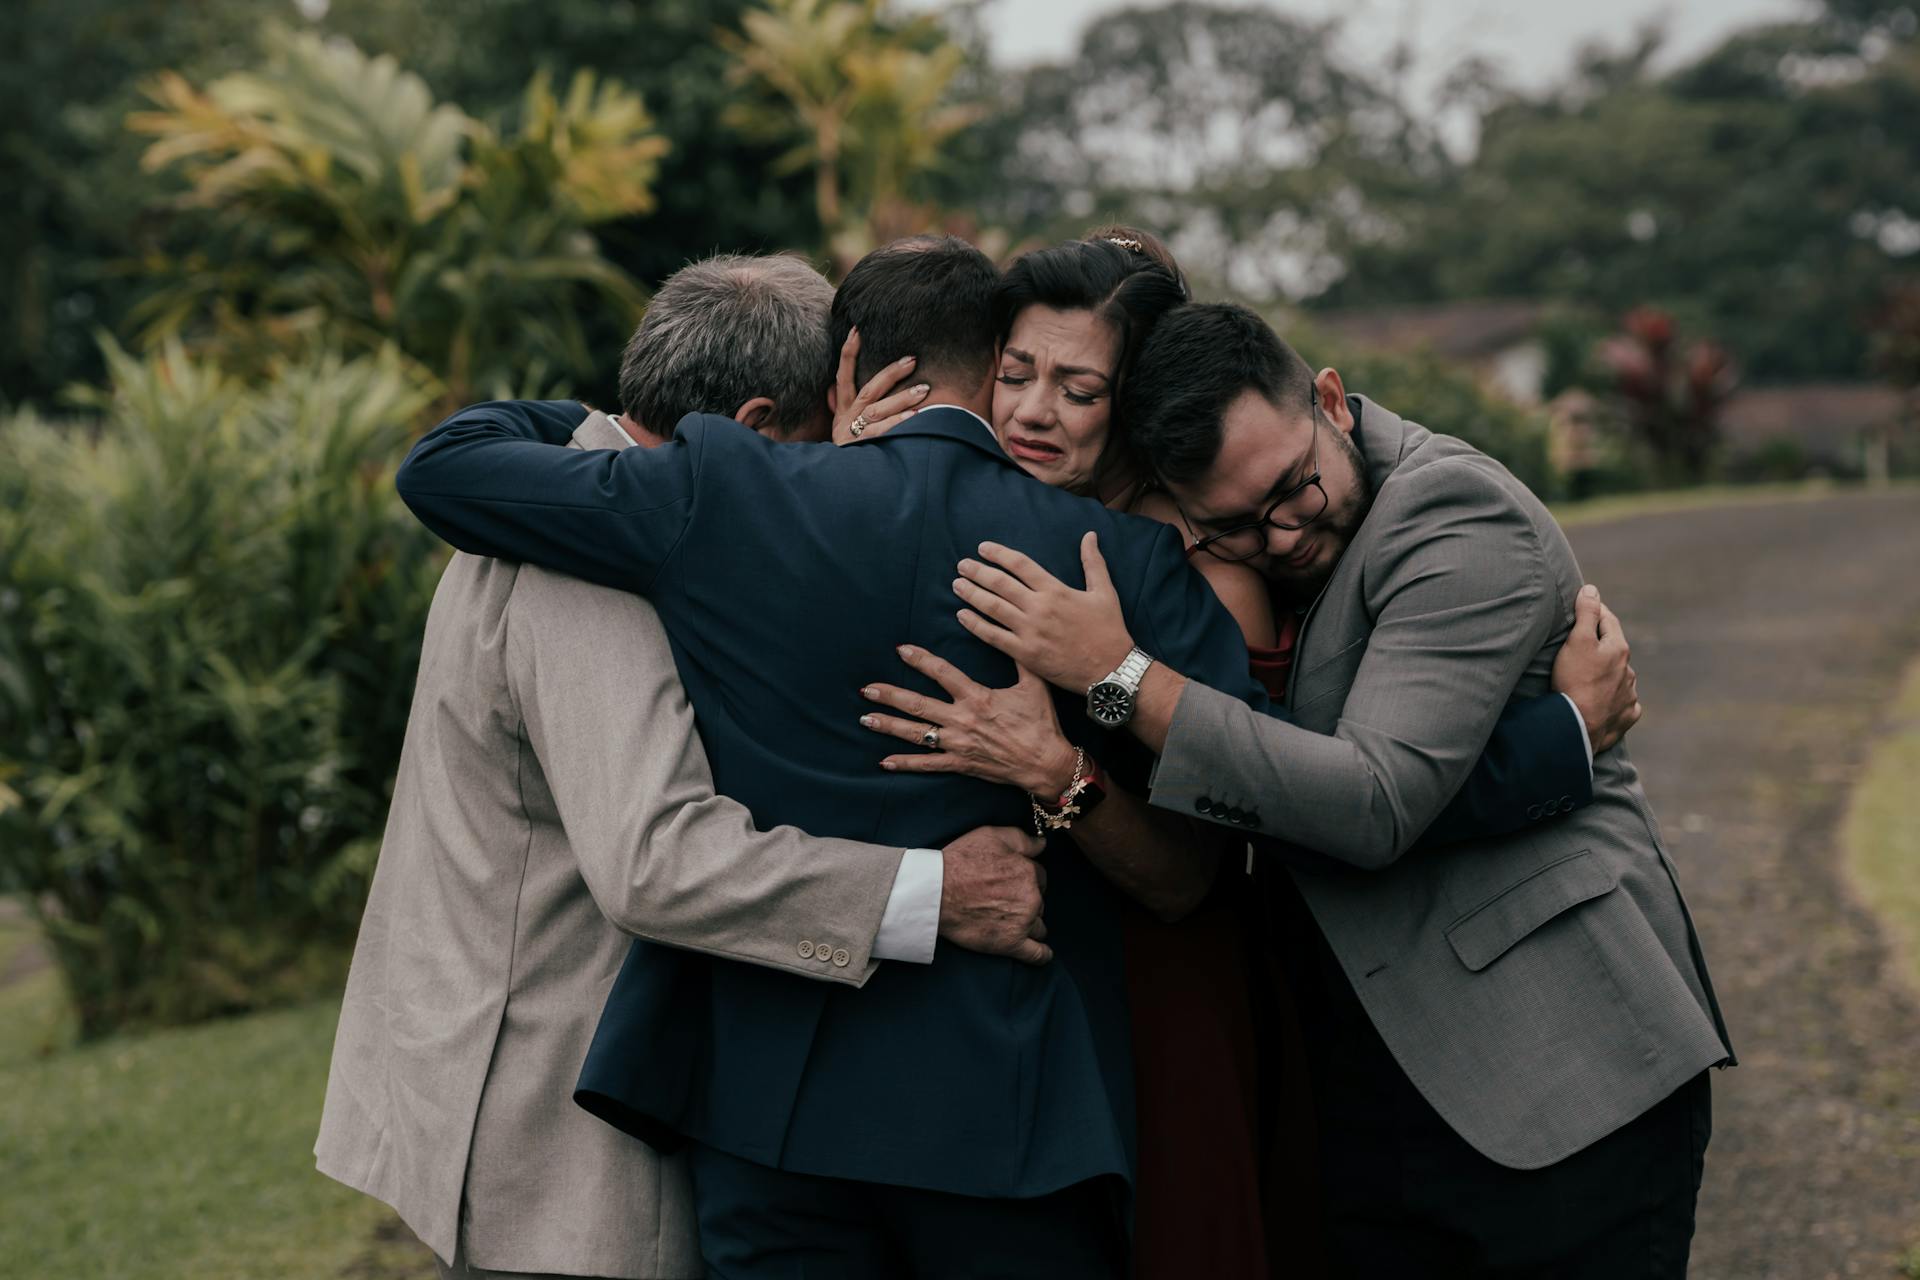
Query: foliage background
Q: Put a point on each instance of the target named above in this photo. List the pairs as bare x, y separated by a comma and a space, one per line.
255, 249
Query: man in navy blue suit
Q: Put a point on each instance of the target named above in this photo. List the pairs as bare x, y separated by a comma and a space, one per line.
968, 1117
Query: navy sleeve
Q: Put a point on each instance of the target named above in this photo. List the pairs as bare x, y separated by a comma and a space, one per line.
1535, 768
497, 479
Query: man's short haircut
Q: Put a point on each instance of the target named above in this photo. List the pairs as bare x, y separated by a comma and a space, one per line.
727, 329
924, 296
1196, 362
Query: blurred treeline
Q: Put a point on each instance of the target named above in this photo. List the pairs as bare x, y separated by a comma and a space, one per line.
1766, 194
250, 249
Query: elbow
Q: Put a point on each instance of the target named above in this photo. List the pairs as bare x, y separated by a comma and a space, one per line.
1382, 835
406, 481
1176, 898
1174, 905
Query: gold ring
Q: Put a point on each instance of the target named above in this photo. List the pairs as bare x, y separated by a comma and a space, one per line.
931, 739
859, 425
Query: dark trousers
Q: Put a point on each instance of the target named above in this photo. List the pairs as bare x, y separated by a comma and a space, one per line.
1405, 1196
758, 1223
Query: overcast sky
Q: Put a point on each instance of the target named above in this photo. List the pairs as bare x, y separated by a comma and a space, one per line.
1532, 40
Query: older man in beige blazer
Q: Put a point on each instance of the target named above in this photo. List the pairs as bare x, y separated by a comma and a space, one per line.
553, 798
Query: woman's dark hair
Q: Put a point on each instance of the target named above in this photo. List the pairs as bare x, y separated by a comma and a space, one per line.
1122, 275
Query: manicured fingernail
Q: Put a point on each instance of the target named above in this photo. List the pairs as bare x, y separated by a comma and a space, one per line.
905, 650
908, 413
866, 722
888, 765
867, 692
965, 565
922, 389
957, 584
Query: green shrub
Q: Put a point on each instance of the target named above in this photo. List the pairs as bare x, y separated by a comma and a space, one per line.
211, 603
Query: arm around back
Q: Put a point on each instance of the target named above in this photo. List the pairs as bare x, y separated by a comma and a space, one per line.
665, 857
497, 479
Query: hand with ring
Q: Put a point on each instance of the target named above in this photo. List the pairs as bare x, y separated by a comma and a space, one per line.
873, 411
1009, 735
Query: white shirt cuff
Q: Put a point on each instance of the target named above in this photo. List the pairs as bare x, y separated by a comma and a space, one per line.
911, 923
1585, 740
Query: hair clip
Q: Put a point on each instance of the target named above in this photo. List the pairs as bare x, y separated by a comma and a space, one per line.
1126, 242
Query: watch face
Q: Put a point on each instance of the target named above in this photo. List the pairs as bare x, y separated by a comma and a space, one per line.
1110, 703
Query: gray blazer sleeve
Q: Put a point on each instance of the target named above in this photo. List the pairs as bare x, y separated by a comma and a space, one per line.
665, 858
1458, 591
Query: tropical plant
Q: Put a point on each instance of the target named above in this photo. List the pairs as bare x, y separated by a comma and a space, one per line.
336, 199
210, 612
1672, 397
864, 104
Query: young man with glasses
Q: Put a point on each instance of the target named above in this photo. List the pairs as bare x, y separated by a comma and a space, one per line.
1509, 1035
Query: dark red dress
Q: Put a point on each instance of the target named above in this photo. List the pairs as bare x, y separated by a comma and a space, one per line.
1225, 1181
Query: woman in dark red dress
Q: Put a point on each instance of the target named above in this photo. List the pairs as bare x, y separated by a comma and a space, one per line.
1071, 318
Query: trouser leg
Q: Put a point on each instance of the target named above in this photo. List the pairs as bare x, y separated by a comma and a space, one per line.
758, 1223
1077, 1233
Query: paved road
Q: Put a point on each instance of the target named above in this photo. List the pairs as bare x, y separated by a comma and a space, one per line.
1769, 640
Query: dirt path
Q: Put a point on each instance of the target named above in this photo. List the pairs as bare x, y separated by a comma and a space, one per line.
1769, 641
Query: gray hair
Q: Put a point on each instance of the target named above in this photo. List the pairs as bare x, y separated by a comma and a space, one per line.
727, 329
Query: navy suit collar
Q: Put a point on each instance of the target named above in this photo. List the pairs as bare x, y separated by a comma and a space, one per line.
948, 423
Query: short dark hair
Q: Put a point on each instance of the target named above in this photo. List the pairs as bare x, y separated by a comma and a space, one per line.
924, 296
1198, 361
724, 330
1114, 275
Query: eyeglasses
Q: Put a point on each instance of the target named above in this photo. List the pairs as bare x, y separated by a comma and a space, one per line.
1293, 510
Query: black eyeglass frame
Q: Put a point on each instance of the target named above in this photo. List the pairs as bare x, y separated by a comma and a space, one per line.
1209, 544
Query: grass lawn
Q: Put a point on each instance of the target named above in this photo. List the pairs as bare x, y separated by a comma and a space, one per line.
176, 1155
1882, 841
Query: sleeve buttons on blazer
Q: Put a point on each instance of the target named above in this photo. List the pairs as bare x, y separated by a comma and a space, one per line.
841, 957
1566, 804
1533, 813
1203, 805
1236, 815
806, 951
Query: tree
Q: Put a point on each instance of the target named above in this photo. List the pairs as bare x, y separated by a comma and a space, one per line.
330, 197
1761, 194
863, 106
1241, 131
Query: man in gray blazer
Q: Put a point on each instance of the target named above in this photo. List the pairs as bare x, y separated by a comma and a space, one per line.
553, 800
1510, 1036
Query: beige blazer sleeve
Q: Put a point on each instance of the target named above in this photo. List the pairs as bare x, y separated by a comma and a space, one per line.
666, 858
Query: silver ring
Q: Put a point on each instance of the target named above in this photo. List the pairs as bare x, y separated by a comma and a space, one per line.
931, 739
859, 425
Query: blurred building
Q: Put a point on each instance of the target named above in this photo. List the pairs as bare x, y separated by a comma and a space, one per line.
1498, 339
1836, 428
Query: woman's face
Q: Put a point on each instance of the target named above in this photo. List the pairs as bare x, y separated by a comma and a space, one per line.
1053, 394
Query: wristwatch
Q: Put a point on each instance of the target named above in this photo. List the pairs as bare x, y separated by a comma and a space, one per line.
1110, 701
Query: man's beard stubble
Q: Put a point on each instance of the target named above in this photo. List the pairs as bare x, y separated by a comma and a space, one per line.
1336, 526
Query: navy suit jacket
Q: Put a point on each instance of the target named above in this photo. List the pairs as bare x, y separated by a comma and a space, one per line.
785, 575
